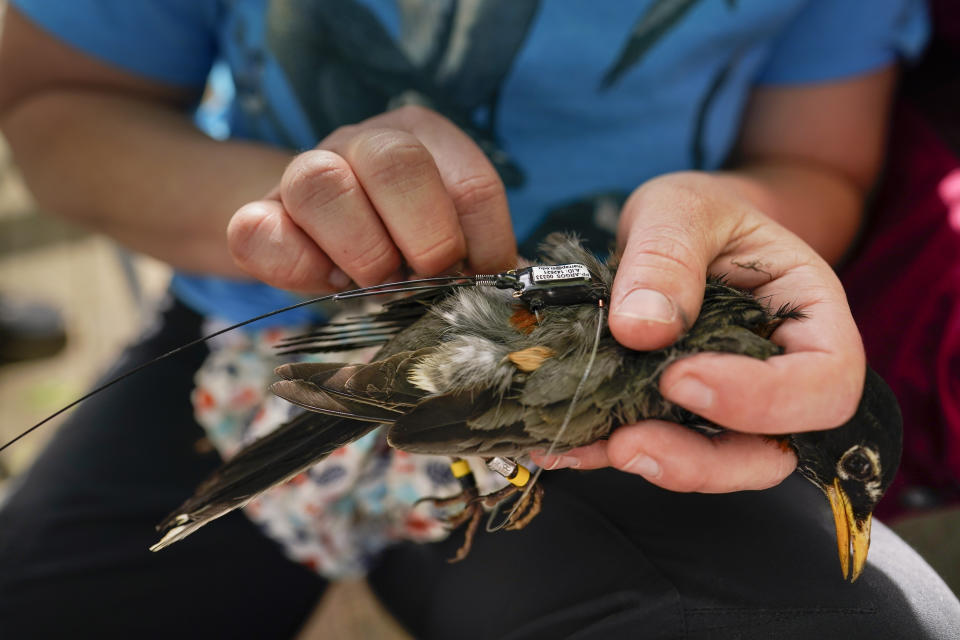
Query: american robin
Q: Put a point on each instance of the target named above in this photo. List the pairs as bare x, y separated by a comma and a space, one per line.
499, 372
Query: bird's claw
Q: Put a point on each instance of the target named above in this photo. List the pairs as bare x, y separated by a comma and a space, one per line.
523, 512
527, 510
463, 499
475, 505
471, 509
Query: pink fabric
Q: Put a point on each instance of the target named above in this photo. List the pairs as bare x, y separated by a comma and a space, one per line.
904, 289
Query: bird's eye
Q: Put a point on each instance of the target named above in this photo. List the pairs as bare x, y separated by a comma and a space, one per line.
857, 465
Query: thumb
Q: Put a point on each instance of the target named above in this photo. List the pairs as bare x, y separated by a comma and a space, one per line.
669, 240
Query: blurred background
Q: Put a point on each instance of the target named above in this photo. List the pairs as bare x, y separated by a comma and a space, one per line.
55, 277
70, 300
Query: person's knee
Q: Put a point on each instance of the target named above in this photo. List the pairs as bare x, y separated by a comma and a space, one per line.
911, 599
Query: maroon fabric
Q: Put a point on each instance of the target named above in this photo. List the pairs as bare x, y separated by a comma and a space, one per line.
904, 289
945, 17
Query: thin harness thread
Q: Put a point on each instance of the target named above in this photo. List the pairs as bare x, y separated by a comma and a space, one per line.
563, 427
421, 284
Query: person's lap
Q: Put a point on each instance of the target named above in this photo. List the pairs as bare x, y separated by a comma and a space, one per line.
612, 556
74, 539
609, 554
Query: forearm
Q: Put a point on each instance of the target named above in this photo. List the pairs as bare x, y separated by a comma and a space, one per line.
816, 203
809, 154
140, 172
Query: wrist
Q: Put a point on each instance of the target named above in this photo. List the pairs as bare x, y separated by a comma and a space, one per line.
821, 206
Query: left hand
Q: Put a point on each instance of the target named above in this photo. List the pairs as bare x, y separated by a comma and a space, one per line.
673, 231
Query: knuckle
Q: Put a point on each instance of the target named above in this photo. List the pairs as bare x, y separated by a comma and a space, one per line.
842, 411
395, 158
370, 263
436, 256
478, 194
314, 180
343, 132
410, 114
295, 272
678, 191
838, 391
667, 247
836, 409
775, 471
690, 480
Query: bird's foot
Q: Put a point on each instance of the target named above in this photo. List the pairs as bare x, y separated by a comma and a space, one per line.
462, 500
522, 513
473, 506
468, 495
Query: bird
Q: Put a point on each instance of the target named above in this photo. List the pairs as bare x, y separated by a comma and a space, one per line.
499, 371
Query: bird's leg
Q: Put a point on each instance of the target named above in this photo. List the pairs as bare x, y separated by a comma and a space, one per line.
470, 506
527, 510
519, 517
467, 496
530, 501
473, 505
473, 512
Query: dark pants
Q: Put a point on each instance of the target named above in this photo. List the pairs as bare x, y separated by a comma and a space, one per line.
610, 555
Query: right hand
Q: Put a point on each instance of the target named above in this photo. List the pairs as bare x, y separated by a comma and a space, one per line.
674, 230
404, 190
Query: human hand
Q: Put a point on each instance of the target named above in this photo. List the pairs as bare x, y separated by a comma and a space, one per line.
673, 231
405, 188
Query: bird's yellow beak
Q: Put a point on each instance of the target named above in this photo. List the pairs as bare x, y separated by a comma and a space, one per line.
853, 536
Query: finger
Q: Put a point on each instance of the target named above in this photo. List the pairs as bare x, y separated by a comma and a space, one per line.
824, 360
670, 240
680, 459
401, 180
324, 198
478, 195
266, 243
592, 456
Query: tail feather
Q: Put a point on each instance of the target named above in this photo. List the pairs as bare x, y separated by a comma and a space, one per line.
271, 460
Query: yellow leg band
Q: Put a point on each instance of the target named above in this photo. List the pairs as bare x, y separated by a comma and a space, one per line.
522, 476
460, 468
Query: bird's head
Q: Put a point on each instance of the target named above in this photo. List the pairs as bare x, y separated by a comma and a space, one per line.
854, 465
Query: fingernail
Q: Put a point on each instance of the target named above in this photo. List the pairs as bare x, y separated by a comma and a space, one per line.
691, 393
562, 462
644, 465
338, 279
647, 304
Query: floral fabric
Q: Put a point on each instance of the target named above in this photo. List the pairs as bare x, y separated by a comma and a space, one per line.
337, 516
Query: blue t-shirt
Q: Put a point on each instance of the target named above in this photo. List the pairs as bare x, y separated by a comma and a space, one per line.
576, 103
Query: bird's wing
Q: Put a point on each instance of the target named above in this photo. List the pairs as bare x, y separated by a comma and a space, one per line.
483, 424
344, 402
275, 458
365, 330
444, 425
313, 398
475, 422
376, 391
